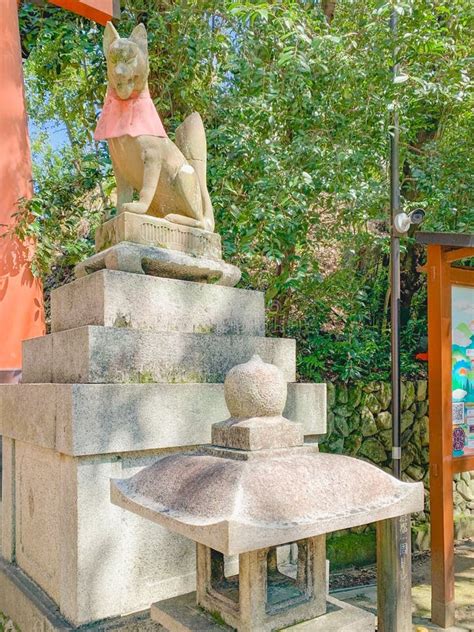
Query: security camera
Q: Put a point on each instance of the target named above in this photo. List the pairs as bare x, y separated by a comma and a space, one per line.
403, 221
417, 216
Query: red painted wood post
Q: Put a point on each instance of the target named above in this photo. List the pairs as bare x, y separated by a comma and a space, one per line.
441, 438
21, 295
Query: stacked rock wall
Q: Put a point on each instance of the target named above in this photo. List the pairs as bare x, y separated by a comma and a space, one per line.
360, 424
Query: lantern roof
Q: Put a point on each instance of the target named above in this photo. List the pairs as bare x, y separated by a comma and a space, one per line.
235, 505
259, 485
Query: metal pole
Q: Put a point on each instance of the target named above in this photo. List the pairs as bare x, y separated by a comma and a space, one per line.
395, 268
393, 536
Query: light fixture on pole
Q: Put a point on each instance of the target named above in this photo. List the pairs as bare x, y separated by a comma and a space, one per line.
403, 221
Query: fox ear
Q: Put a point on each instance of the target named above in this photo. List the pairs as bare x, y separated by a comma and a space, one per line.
139, 37
110, 35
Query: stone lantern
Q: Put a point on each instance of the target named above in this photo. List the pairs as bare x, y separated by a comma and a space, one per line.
257, 488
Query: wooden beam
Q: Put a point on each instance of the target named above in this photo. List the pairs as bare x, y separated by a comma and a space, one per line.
100, 11
463, 463
457, 254
441, 438
461, 276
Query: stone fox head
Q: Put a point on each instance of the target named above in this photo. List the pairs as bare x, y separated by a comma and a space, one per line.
127, 60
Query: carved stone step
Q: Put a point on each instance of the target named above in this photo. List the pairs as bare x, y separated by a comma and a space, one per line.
110, 355
81, 419
119, 299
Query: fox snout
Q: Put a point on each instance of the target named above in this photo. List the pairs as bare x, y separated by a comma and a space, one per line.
124, 79
121, 71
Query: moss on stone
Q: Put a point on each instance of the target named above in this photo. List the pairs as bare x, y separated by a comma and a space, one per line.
142, 377
370, 437
351, 549
175, 377
215, 616
204, 329
121, 321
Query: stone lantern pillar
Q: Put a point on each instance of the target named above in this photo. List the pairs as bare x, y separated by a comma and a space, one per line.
256, 488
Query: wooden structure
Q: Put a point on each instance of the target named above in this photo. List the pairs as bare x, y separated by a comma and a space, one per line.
100, 11
444, 250
394, 575
21, 300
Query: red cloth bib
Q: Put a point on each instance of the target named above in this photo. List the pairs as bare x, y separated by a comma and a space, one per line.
136, 116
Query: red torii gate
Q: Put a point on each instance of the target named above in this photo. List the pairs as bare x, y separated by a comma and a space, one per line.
21, 296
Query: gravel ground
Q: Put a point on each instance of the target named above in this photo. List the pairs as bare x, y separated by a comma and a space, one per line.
361, 590
367, 575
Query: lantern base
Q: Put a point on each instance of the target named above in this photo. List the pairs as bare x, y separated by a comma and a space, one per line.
183, 614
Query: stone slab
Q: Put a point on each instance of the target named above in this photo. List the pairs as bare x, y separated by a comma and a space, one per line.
154, 231
257, 433
29, 412
37, 359
109, 355
37, 511
7, 505
160, 262
341, 617
110, 298
181, 614
33, 611
81, 419
92, 559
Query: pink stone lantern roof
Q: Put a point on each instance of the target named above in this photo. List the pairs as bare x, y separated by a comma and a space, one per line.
235, 506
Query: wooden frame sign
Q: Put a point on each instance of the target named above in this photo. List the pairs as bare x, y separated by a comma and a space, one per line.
451, 399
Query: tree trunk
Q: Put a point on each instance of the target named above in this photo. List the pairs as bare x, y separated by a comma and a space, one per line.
328, 7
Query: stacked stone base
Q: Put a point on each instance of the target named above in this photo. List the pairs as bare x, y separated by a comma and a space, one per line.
149, 245
133, 370
33, 611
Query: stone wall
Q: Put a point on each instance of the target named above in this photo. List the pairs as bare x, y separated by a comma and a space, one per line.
360, 424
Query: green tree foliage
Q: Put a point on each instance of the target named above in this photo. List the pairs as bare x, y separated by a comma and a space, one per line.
296, 98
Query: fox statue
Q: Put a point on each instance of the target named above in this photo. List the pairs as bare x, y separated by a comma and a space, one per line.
170, 178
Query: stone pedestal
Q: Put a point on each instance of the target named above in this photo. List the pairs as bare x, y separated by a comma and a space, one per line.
148, 245
153, 231
133, 370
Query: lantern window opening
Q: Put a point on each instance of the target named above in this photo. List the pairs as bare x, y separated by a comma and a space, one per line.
285, 588
224, 578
